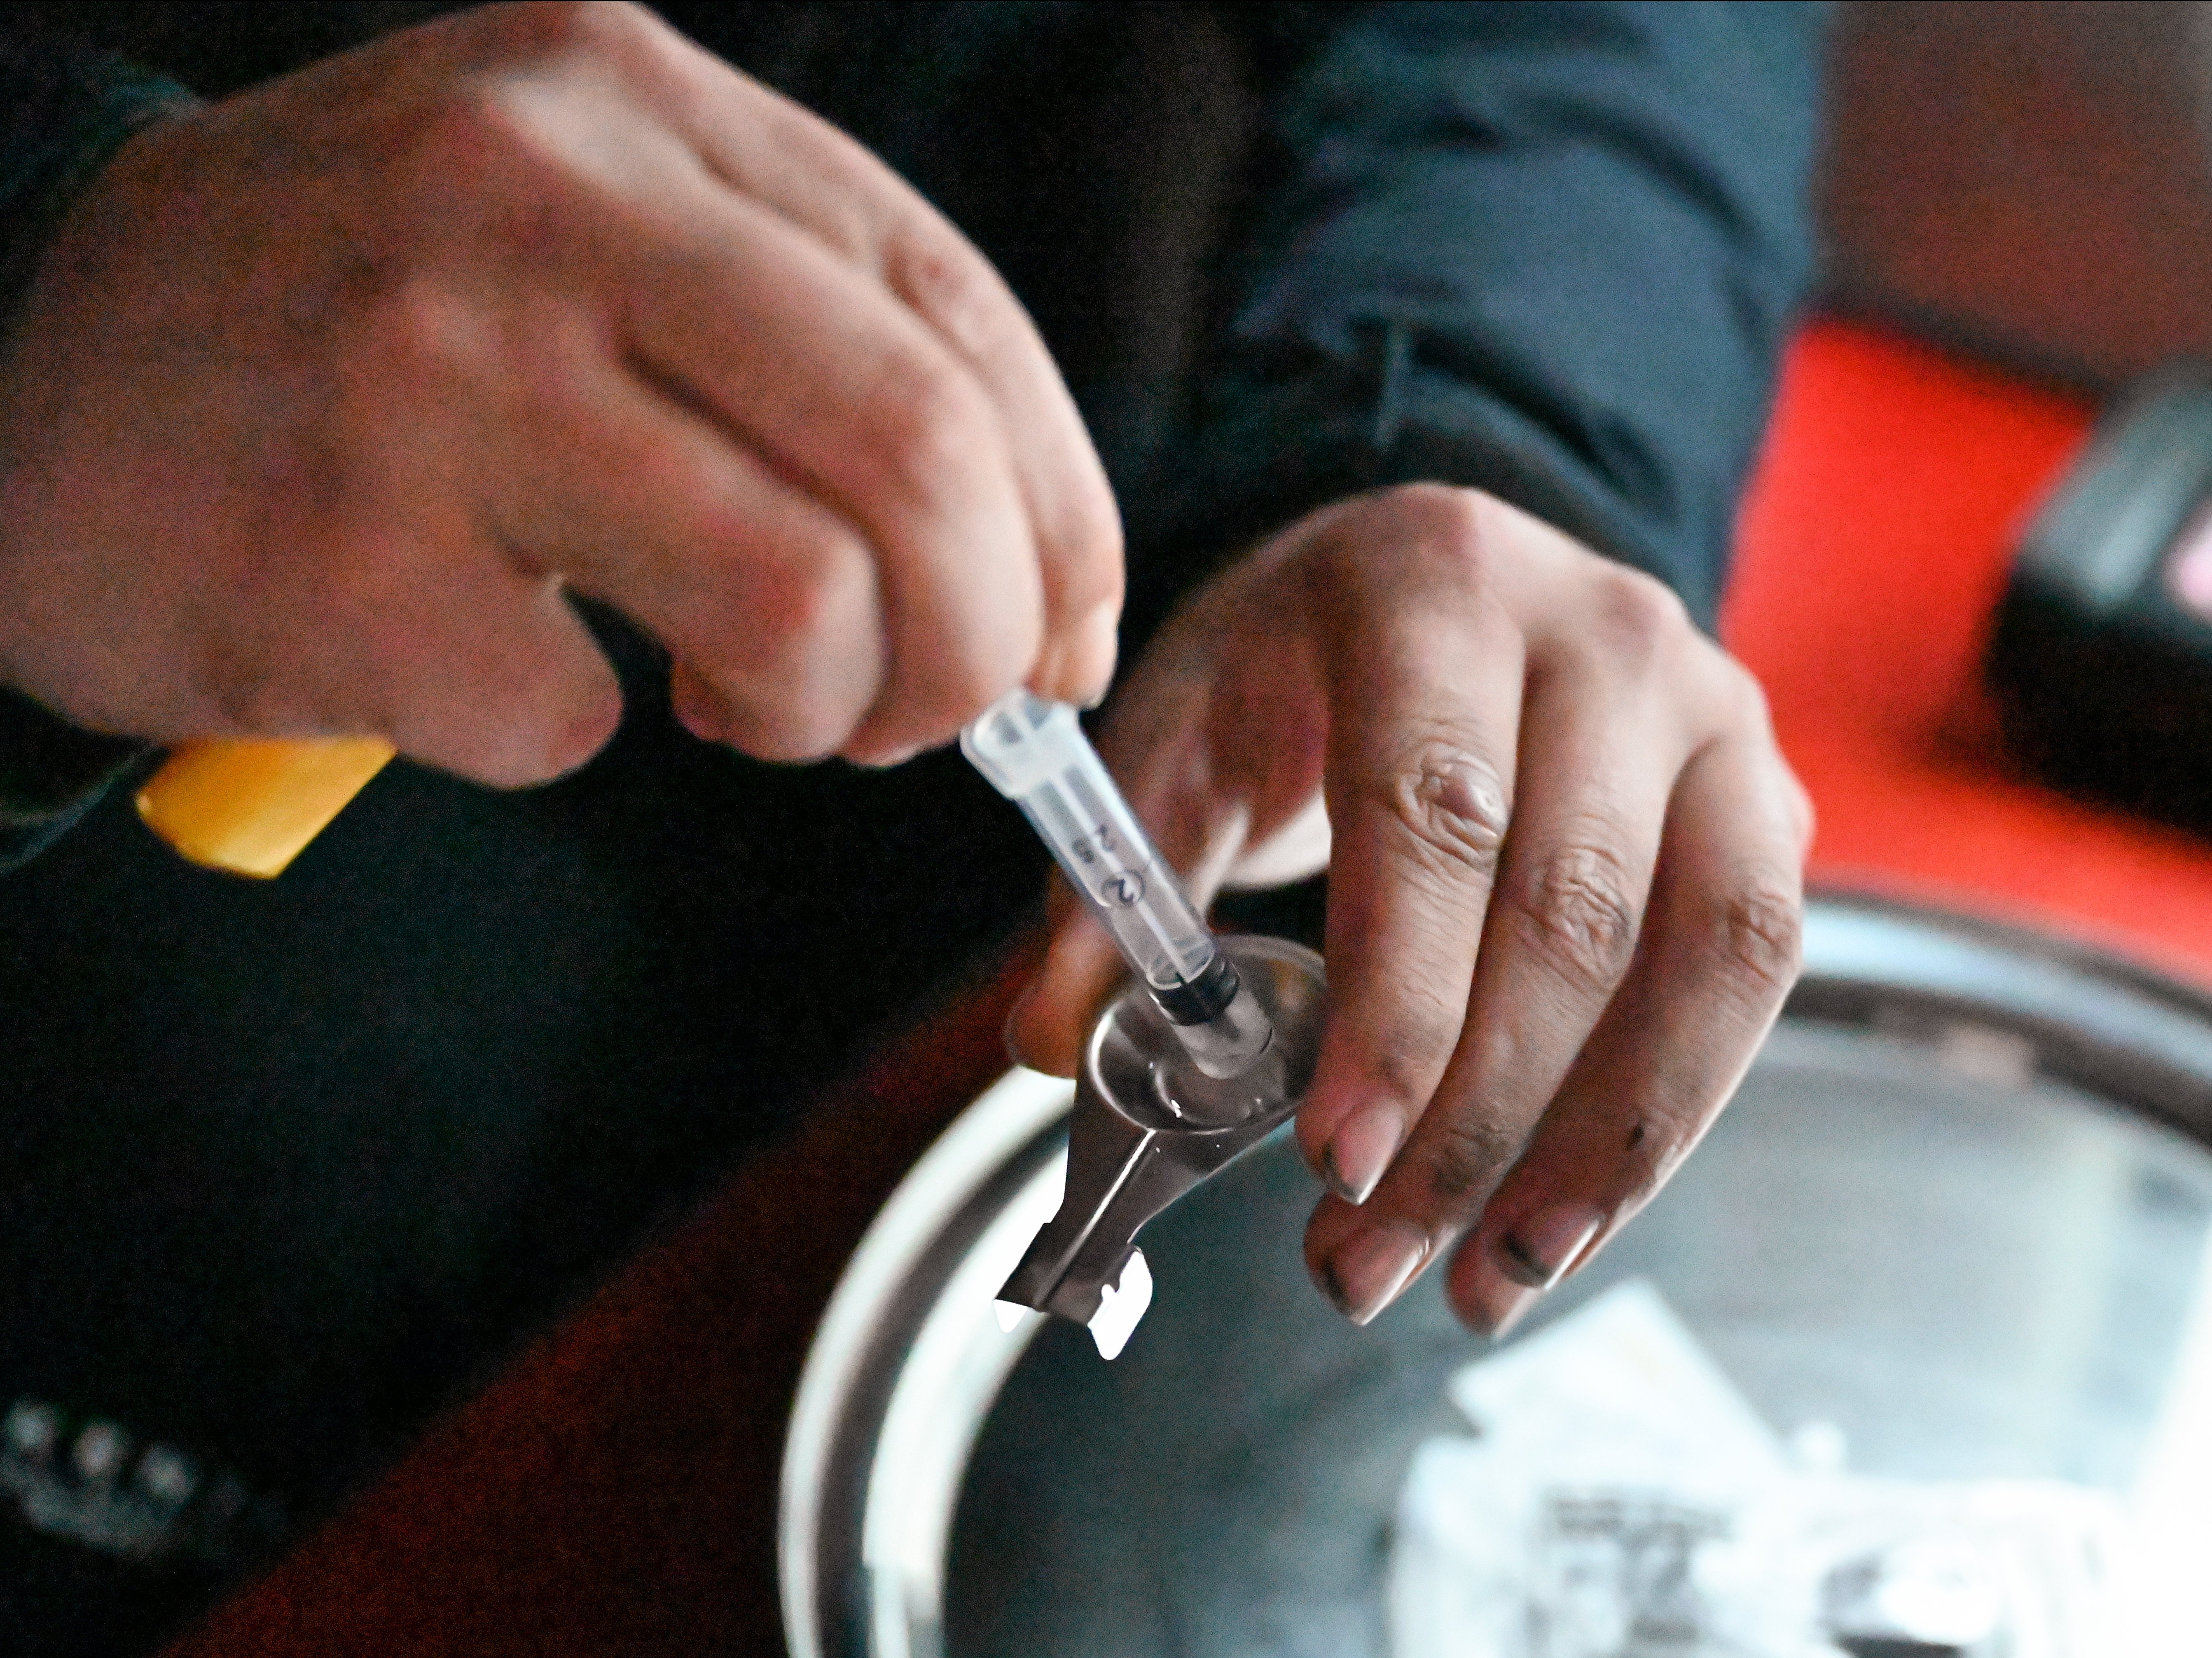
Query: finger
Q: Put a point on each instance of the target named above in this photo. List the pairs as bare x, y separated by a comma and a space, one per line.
402, 612
1424, 673
1046, 1029
464, 661
1599, 760
784, 157
1296, 851
765, 594
528, 699
1722, 952
842, 392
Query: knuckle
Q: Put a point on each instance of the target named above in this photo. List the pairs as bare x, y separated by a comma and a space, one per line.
1468, 1156
794, 676
799, 607
1635, 619
1577, 913
493, 133
582, 27
416, 333
944, 279
1743, 699
936, 424
475, 167
1451, 804
1435, 538
464, 134
1760, 936
1441, 516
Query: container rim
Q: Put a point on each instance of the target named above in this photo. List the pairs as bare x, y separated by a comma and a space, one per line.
901, 1375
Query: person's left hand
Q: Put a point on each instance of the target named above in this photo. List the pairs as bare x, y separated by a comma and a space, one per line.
1565, 891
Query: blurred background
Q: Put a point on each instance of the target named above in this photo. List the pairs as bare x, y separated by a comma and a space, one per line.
2031, 183
2016, 201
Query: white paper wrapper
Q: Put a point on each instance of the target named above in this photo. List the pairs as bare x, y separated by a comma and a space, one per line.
1620, 1499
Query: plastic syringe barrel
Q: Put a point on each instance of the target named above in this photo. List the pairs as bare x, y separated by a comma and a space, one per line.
1033, 752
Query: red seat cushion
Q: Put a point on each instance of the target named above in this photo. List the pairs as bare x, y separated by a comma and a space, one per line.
1872, 551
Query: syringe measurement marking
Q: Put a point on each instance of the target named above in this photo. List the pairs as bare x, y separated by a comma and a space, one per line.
1094, 810
1059, 799
1124, 887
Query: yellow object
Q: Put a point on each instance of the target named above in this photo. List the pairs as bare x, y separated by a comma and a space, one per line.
253, 806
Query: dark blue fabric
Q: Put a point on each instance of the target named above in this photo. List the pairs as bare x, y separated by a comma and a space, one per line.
1549, 251
63, 111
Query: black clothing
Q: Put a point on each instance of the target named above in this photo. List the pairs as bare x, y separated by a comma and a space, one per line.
67, 110
289, 1162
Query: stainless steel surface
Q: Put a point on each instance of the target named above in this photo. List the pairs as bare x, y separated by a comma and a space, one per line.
1958, 1210
1148, 1126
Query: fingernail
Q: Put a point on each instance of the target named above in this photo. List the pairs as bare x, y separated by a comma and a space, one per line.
883, 762
1359, 1152
1490, 1303
1366, 1273
1510, 1309
1101, 635
1538, 1250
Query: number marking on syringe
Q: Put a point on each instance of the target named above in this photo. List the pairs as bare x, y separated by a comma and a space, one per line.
1125, 886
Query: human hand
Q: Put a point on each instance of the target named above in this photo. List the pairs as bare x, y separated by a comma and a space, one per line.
1565, 890
326, 394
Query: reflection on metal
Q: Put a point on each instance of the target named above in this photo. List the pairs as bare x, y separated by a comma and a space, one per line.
1122, 1305
2103, 1026
2170, 1501
910, 1356
856, 1463
1148, 1126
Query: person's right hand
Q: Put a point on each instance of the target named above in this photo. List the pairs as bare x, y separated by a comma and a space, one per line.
324, 394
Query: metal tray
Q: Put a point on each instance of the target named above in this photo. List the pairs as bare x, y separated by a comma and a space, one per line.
1959, 1208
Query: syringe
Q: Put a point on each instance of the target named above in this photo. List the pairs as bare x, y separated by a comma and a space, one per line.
1036, 754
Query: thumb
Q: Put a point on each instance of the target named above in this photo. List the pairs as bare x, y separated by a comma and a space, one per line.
1081, 969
